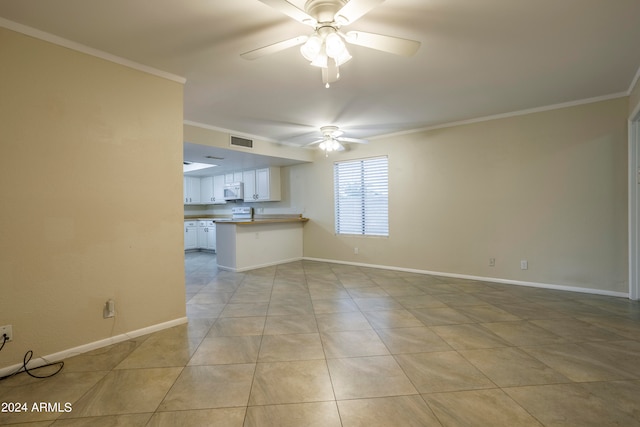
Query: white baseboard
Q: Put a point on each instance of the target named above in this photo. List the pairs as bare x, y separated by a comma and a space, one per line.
253, 267
481, 278
64, 354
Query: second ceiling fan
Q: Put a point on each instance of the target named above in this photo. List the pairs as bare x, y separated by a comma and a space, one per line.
325, 47
332, 140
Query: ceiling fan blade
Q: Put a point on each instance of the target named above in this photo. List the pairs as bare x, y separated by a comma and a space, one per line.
314, 142
353, 140
291, 11
273, 48
390, 44
354, 9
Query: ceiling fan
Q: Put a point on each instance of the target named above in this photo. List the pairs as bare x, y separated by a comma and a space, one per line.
325, 47
332, 140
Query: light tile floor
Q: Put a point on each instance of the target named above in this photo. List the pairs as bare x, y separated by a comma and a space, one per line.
319, 344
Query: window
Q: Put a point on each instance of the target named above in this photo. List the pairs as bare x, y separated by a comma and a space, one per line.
361, 191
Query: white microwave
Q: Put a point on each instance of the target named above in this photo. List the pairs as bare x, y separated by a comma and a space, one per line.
234, 191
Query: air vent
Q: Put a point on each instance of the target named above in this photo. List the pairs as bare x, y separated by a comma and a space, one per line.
241, 142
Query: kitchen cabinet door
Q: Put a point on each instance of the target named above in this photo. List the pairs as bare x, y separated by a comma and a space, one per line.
207, 235
230, 178
218, 189
191, 190
202, 235
190, 235
211, 236
206, 190
262, 185
249, 180
268, 184
212, 190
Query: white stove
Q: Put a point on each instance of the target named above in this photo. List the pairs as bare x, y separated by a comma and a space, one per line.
242, 213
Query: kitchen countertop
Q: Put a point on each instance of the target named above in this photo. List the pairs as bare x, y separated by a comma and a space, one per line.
258, 221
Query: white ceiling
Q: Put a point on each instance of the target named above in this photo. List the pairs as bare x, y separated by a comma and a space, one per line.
478, 58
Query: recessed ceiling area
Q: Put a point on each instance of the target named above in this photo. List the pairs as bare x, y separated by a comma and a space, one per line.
227, 160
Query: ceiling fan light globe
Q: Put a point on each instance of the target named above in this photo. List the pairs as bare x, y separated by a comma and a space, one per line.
344, 57
335, 145
334, 46
311, 48
320, 60
322, 146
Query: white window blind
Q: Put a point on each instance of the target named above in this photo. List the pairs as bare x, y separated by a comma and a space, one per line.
361, 192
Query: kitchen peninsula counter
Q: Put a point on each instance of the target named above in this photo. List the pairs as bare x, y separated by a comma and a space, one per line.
259, 221
263, 241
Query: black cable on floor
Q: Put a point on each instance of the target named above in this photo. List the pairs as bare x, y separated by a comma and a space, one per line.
27, 357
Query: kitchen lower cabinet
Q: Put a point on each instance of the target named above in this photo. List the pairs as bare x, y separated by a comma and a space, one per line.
207, 235
190, 235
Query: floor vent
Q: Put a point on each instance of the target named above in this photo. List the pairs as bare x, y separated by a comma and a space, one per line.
241, 142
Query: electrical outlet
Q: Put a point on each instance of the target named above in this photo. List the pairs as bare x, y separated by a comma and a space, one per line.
109, 309
492, 262
356, 251
8, 330
524, 264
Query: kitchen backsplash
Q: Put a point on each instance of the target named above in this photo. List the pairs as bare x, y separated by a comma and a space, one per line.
209, 210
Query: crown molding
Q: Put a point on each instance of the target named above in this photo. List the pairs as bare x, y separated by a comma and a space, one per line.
507, 115
51, 38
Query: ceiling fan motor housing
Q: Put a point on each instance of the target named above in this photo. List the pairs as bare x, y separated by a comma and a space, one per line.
323, 11
330, 131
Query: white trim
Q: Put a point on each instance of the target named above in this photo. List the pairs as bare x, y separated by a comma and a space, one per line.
507, 115
633, 82
51, 38
64, 354
480, 278
253, 267
634, 207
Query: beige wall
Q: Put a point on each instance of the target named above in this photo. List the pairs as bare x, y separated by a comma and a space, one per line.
91, 190
549, 187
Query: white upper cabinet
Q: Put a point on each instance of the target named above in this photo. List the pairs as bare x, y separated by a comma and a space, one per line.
218, 189
262, 185
268, 184
191, 190
206, 190
212, 190
249, 180
233, 177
